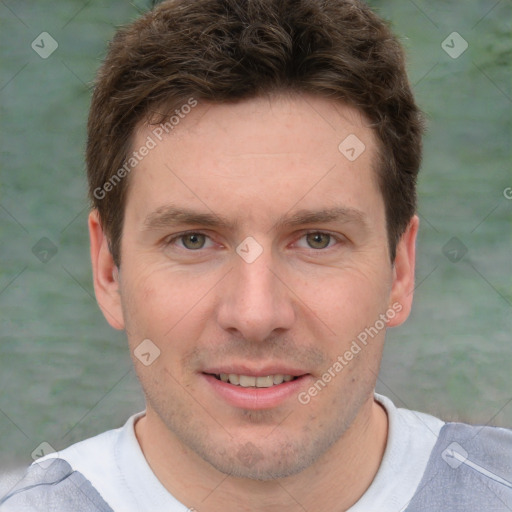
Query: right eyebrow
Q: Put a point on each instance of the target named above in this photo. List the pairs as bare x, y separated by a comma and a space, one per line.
168, 216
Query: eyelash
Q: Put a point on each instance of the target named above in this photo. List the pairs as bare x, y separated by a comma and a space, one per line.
337, 238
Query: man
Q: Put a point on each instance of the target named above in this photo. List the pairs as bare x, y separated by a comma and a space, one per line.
252, 168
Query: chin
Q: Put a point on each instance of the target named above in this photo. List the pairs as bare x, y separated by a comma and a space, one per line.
254, 463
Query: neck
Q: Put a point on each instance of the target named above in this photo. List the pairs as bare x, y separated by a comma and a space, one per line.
334, 482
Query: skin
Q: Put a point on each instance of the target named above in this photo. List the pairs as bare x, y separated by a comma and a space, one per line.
254, 163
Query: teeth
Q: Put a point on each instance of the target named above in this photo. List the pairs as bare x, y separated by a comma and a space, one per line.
247, 381
278, 379
264, 382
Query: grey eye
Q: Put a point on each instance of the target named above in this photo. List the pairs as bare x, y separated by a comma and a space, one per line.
193, 241
318, 240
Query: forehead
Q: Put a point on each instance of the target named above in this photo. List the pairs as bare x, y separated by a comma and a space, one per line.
257, 158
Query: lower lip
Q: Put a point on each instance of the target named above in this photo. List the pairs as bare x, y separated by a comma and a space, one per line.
256, 398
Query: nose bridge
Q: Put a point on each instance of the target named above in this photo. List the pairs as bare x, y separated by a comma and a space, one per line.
256, 282
253, 301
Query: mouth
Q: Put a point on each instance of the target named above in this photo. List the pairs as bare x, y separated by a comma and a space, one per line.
245, 386
251, 381
255, 389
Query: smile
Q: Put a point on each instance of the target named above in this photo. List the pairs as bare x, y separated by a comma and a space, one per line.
261, 390
248, 381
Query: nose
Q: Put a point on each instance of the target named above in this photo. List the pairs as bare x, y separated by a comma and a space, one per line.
255, 302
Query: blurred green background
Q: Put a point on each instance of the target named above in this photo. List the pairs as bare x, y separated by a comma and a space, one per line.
66, 375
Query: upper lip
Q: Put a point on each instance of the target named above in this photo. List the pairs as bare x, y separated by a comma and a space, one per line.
240, 369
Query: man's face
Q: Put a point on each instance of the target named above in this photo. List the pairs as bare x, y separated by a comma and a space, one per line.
253, 246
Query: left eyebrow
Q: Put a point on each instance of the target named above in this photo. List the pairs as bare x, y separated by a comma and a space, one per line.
337, 214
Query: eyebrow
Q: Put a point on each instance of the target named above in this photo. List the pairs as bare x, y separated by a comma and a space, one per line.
168, 216
336, 214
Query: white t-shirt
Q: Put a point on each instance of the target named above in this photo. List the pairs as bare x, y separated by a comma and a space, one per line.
114, 464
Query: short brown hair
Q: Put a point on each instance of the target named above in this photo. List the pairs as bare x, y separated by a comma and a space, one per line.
231, 50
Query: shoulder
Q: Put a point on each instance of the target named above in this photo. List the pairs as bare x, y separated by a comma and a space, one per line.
71, 479
94, 457
477, 447
53, 485
433, 466
469, 469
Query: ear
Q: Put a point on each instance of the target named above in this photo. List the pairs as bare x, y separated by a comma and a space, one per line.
403, 274
105, 274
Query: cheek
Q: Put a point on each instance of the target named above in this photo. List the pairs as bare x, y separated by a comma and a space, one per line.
163, 306
347, 300
141, 299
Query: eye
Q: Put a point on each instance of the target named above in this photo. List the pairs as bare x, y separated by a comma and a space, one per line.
318, 240
191, 241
